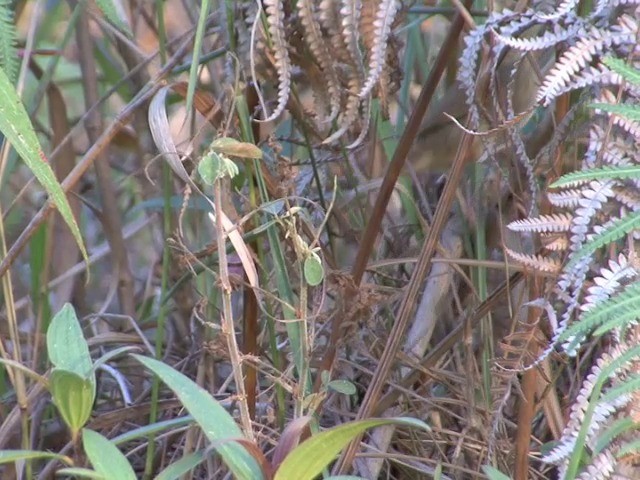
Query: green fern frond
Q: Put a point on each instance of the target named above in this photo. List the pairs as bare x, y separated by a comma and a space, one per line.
614, 231
603, 173
630, 112
8, 41
630, 448
604, 375
630, 74
630, 385
616, 429
621, 308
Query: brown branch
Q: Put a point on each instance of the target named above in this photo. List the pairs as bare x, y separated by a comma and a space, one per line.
391, 176
408, 302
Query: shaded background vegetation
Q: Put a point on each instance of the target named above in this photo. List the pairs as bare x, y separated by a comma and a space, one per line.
369, 297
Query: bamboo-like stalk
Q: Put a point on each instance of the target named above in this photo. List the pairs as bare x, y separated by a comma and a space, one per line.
226, 321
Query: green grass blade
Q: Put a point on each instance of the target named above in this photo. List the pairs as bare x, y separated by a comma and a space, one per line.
17, 128
10, 456
212, 418
181, 467
311, 457
197, 47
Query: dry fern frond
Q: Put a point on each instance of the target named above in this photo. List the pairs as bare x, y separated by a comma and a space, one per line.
318, 48
387, 10
275, 20
558, 222
537, 262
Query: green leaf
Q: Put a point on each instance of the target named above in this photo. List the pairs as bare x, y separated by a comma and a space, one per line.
212, 418
9, 59
344, 387
213, 166
73, 395
181, 467
111, 10
311, 457
10, 456
494, 474
17, 128
233, 148
66, 345
313, 270
105, 456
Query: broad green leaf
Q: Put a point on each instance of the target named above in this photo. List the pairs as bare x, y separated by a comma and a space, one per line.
17, 128
81, 473
311, 457
233, 148
313, 270
182, 466
105, 456
10, 456
344, 387
212, 418
213, 166
66, 344
493, 473
210, 168
73, 395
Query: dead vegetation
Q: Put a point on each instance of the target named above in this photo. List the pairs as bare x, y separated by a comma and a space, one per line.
356, 265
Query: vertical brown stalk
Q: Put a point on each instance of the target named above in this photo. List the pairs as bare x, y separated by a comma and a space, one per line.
110, 215
250, 308
527, 406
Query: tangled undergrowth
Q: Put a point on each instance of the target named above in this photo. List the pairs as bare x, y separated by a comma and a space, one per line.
289, 238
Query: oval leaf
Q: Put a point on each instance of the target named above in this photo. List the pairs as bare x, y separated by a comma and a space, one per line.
210, 168
105, 457
212, 418
344, 387
311, 457
73, 395
313, 270
233, 148
16, 126
66, 345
